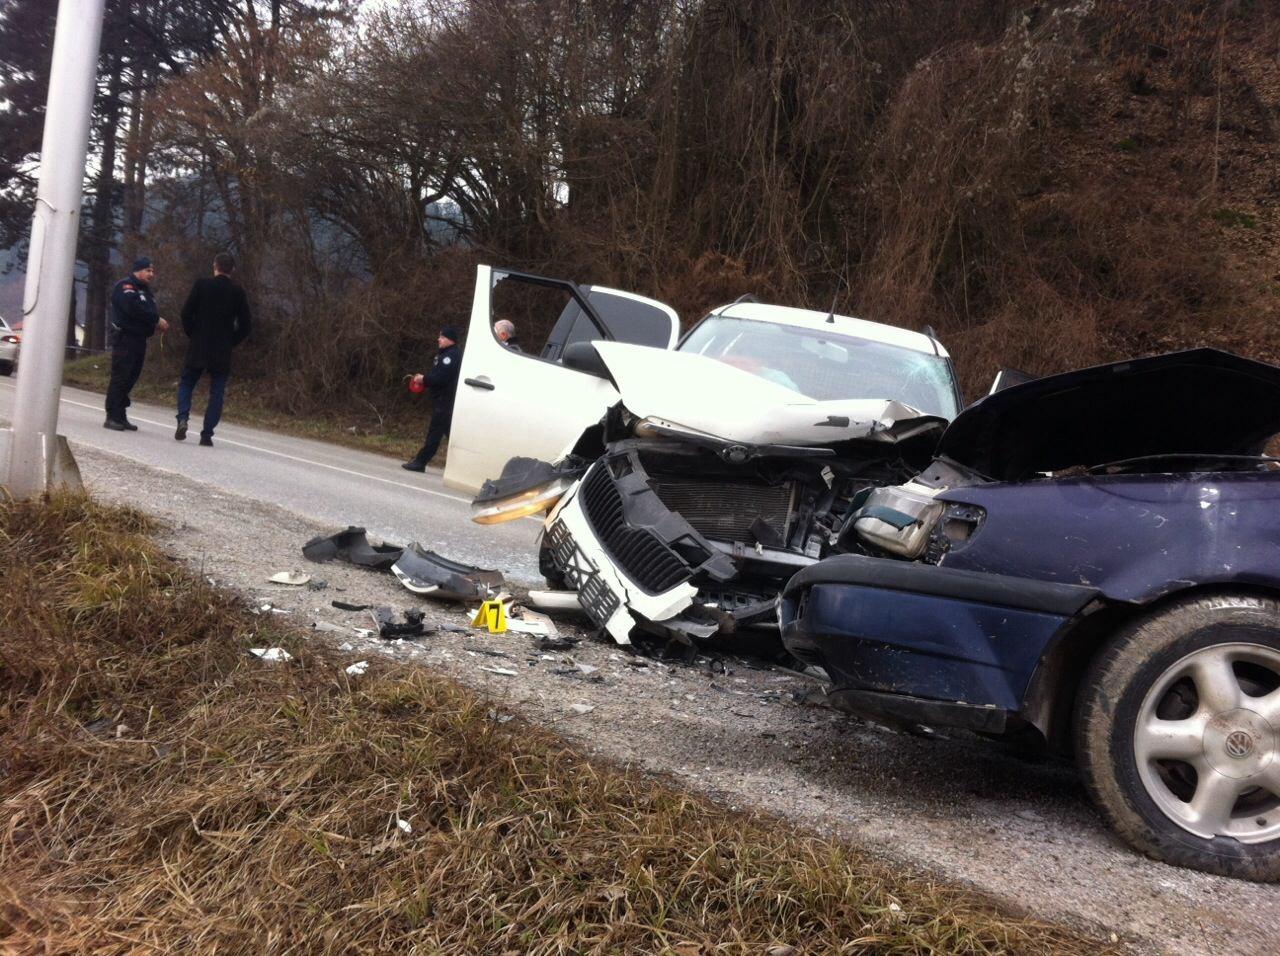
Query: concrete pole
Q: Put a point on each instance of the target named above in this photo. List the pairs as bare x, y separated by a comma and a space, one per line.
52, 257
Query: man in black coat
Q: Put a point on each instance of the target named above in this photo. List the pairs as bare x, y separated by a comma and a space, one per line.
216, 320
134, 319
442, 386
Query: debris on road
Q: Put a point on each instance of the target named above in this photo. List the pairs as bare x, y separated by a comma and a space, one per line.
327, 626
531, 622
292, 578
358, 668
345, 606
352, 546
271, 653
581, 709
390, 629
557, 643
504, 671
427, 573
556, 601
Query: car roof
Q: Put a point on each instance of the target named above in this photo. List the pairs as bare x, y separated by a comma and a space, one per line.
811, 319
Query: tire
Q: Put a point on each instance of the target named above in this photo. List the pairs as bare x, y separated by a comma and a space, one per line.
555, 580
6, 368
1177, 724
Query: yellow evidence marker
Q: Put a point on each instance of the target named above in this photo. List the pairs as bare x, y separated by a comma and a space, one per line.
492, 615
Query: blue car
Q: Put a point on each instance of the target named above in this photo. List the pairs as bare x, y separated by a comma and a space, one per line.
1091, 563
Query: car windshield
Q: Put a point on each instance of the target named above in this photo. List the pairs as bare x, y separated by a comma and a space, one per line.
827, 365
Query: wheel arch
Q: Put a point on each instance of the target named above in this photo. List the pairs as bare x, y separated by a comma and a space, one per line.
1050, 698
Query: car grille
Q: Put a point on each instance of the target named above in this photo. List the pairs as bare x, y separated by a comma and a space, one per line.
725, 511
639, 552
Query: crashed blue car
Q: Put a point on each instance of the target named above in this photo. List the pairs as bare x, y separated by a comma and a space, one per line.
1091, 563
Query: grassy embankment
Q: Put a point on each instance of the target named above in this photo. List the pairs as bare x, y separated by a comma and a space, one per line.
352, 426
163, 789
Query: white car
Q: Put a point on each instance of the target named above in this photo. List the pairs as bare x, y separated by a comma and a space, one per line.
686, 483
9, 342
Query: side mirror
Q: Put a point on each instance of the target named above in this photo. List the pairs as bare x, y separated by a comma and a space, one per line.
583, 357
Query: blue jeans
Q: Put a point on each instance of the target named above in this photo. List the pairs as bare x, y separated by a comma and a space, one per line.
217, 391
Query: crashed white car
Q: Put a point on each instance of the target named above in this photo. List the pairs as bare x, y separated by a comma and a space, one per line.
686, 483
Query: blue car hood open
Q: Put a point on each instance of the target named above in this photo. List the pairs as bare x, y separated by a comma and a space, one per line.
1200, 401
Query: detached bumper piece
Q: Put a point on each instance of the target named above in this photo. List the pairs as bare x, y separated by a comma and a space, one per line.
352, 546
923, 644
425, 572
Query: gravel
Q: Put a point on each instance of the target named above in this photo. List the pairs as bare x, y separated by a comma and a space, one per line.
960, 810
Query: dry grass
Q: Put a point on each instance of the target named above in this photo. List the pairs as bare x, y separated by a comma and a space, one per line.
160, 789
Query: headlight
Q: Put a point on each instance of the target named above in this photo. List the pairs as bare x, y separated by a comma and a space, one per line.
527, 502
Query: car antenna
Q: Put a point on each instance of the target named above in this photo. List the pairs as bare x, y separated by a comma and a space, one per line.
831, 313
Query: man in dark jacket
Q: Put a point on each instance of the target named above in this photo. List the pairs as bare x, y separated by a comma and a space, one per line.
216, 320
134, 319
442, 386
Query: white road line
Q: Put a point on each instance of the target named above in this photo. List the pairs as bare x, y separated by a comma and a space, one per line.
303, 461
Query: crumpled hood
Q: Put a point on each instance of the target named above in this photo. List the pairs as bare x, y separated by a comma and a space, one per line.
1201, 401
703, 395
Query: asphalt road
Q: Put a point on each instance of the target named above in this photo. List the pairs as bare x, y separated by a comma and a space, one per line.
326, 483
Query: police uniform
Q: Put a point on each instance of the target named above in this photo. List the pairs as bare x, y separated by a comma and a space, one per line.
134, 316
442, 387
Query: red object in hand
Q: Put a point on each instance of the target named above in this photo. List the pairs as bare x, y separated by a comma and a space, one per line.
416, 386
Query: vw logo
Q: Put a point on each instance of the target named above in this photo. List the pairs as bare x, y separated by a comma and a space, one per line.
1239, 743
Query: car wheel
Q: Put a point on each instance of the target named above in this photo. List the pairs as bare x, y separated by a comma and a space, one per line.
1177, 725
554, 578
6, 368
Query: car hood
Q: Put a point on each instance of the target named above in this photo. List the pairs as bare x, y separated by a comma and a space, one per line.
1201, 401
702, 395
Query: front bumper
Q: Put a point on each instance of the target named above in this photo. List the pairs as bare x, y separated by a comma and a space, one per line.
919, 641
608, 595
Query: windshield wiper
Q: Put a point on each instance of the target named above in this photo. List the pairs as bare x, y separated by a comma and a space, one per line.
1180, 456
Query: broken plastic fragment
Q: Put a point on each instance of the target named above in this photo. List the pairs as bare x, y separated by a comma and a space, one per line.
425, 572
504, 671
271, 653
344, 606
351, 545
358, 668
556, 600
404, 825
294, 578
390, 629
581, 708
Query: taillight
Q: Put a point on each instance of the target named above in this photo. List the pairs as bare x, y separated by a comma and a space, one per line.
13, 339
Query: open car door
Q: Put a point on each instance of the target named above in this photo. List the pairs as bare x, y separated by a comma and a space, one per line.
527, 403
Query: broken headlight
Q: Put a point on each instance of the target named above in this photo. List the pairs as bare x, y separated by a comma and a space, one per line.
898, 520
527, 502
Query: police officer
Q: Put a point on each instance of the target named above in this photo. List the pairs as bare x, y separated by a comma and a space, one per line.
442, 386
134, 319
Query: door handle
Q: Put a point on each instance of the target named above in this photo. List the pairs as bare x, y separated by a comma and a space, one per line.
479, 383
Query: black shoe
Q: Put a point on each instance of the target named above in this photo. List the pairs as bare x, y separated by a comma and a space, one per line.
128, 425
206, 440
115, 425
414, 465
180, 433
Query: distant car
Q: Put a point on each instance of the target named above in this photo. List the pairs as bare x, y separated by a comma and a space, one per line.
687, 484
9, 342
1091, 562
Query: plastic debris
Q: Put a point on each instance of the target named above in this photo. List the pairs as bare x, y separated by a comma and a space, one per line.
504, 671
556, 601
531, 622
404, 825
581, 708
326, 626
292, 578
271, 653
557, 643
344, 606
352, 546
390, 629
427, 573
358, 668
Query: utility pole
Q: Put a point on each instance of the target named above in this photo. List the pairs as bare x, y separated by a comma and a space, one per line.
37, 455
